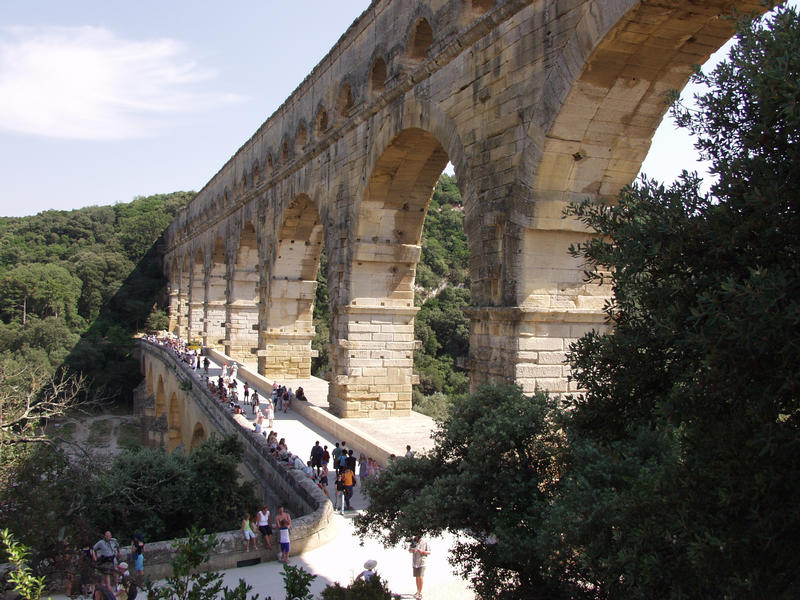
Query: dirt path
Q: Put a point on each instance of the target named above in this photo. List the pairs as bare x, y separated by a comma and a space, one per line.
107, 434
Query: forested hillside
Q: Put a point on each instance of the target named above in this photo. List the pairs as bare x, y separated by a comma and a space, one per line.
74, 286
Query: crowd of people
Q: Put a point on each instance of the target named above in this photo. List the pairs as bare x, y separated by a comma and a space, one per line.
341, 462
99, 571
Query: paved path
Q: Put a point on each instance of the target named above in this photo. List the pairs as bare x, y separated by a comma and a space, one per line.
343, 558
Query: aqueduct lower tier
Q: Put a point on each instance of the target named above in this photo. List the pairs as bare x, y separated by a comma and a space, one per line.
536, 103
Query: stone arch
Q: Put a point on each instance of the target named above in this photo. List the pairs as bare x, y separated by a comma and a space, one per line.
377, 77
255, 173
149, 379
480, 7
197, 296
373, 363
216, 297
419, 40
286, 152
161, 398
345, 99
174, 418
242, 319
199, 435
301, 138
270, 163
321, 121
608, 112
289, 326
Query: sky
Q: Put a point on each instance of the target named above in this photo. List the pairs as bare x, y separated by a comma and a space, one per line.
102, 101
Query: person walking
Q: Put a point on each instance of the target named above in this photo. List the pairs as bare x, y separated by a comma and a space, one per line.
420, 550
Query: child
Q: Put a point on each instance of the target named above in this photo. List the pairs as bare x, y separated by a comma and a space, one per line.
247, 533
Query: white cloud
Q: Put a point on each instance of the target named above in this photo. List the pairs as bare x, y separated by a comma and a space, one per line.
86, 83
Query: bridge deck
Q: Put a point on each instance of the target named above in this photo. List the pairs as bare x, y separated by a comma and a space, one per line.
342, 559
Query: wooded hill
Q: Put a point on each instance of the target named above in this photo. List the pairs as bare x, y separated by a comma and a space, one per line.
75, 285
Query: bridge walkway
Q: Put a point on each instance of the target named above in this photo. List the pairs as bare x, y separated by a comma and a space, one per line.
343, 558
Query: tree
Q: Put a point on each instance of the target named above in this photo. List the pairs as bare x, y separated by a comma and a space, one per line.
28, 398
25, 582
490, 476
186, 583
686, 444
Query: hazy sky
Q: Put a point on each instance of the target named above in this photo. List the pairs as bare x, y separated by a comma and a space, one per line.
103, 100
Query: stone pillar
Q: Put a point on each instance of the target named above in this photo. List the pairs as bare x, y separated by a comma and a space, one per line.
373, 361
548, 305
174, 311
215, 310
241, 331
286, 342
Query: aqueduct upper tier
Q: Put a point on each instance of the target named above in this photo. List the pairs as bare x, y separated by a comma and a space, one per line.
535, 102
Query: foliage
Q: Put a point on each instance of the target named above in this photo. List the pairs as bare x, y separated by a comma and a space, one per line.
147, 491
91, 273
28, 397
25, 582
374, 589
297, 582
186, 583
491, 475
445, 253
156, 493
685, 446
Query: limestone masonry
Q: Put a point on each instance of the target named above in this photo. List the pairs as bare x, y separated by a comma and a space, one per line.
536, 103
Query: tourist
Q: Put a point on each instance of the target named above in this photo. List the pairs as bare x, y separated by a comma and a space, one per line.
104, 553
269, 408
316, 456
349, 481
246, 393
326, 457
409, 452
137, 554
369, 570
322, 480
102, 590
340, 500
350, 461
264, 526
420, 552
255, 402
300, 394
337, 452
247, 533
283, 522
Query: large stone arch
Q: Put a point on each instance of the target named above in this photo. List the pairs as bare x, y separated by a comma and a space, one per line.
535, 103
216, 300
242, 316
197, 296
149, 379
174, 421
374, 330
289, 327
161, 398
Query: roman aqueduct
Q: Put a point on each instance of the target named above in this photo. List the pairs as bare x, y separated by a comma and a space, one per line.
535, 102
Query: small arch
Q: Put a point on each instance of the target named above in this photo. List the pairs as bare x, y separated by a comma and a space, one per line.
301, 139
481, 7
270, 163
377, 77
344, 102
420, 40
322, 122
199, 435
254, 173
285, 154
